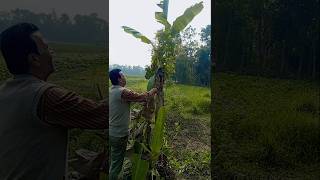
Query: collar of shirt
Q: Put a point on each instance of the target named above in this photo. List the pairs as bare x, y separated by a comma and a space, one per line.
115, 86
22, 76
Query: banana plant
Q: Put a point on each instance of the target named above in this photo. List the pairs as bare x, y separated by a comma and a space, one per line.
172, 30
163, 60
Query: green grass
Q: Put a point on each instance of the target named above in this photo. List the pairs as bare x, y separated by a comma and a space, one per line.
77, 48
266, 128
4, 74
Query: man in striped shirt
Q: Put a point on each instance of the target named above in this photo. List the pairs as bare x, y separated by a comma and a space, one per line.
35, 115
119, 118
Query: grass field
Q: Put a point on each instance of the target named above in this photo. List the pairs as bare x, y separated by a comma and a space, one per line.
265, 128
187, 127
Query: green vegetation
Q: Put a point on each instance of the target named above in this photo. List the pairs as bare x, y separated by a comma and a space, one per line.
194, 58
265, 128
80, 70
164, 47
187, 132
269, 38
4, 74
162, 67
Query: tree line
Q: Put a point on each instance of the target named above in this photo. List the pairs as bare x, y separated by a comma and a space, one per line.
270, 38
129, 70
60, 28
193, 59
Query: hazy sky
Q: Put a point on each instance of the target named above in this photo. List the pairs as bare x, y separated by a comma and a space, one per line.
139, 14
70, 7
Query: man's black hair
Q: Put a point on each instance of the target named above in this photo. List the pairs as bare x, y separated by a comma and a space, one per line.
16, 44
114, 74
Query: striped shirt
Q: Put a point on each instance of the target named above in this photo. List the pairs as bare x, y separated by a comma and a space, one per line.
131, 96
61, 107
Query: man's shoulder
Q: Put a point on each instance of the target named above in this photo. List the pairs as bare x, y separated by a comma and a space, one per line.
118, 89
56, 89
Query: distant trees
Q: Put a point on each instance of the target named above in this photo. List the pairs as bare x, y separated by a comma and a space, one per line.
79, 29
129, 70
271, 38
193, 60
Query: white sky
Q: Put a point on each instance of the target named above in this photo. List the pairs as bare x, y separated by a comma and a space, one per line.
125, 49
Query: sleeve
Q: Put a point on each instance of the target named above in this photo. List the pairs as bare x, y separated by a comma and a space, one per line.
65, 108
131, 96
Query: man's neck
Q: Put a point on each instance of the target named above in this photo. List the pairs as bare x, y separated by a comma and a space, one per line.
117, 86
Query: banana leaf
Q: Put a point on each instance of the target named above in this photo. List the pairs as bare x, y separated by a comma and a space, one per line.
158, 133
136, 34
164, 6
140, 167
160, 4
161, 18
182, 21
150, 83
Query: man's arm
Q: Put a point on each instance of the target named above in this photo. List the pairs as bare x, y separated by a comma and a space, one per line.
131, 96
61, 107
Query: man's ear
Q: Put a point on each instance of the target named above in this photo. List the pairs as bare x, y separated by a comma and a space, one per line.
33, 59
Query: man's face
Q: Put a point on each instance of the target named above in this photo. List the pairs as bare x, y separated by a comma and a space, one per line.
122, 80
44, 59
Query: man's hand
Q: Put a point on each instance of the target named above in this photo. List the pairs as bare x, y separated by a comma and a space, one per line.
153, 91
